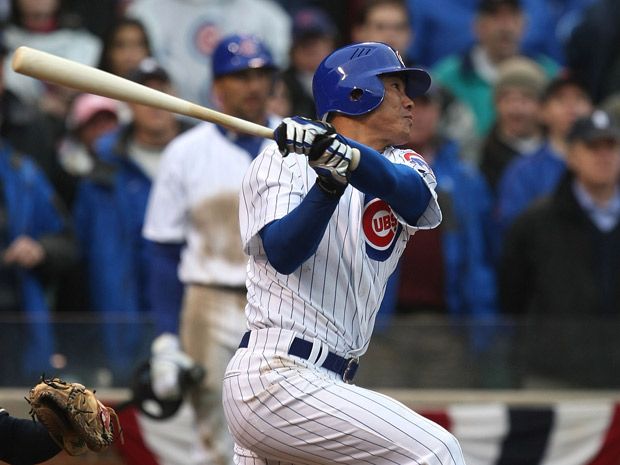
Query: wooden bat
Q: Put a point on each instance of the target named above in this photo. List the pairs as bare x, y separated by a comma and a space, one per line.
47, 67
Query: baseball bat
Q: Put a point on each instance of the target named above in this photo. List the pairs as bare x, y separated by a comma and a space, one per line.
47, 67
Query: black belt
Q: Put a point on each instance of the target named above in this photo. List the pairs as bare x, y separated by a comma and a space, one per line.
346, 368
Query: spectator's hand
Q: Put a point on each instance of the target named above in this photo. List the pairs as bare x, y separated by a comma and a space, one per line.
296, 134
24, 252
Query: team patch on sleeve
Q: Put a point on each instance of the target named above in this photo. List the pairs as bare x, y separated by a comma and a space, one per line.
416, 161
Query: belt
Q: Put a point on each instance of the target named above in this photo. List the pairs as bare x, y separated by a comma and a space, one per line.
346, 368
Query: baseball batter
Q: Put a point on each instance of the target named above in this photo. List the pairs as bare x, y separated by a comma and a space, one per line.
194, 203
323, 233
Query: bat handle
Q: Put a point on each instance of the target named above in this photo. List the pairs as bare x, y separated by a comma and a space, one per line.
355, 159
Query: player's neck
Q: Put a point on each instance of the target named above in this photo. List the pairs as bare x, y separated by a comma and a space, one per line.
352, 129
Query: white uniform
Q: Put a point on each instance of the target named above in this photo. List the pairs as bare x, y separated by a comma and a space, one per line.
195, 200
283, 408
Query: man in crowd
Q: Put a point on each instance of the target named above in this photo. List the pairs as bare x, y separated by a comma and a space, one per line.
561, 261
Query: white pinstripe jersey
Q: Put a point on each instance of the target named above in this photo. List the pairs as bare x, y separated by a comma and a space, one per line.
195, 199
335, 294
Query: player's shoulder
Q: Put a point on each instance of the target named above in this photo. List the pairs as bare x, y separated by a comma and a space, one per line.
196, 139
407, 156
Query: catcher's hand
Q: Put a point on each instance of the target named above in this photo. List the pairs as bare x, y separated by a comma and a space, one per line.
74, 417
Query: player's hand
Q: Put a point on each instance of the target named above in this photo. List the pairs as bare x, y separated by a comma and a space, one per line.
296, 134
330, 157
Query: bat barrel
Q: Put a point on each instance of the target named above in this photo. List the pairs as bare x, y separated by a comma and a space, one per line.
68, 73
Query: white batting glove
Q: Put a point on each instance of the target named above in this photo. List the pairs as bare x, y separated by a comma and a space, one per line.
296, 134
330, 157
167, 363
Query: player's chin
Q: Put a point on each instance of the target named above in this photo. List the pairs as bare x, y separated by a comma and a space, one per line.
403, 136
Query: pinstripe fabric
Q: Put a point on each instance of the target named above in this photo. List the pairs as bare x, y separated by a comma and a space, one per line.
284, 409
335, 294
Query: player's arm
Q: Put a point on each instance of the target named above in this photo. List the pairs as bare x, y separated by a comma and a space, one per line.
291, 240
24, 442
164, 289
329, 154
399, 185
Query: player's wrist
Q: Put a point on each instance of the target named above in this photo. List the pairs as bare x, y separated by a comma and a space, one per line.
329, 187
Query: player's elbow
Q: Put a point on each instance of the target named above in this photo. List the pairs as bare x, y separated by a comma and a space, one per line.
283, 267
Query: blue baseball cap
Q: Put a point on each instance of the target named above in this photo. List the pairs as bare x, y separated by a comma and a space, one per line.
240, 52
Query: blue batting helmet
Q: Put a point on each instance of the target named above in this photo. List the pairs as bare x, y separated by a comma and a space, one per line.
347, 81
238, 53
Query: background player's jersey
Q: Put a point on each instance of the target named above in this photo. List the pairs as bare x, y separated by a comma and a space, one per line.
361, 246
195, 200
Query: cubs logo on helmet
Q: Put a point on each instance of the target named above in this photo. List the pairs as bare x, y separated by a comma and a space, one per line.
380, 227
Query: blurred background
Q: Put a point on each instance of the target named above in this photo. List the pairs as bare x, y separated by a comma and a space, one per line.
502, 324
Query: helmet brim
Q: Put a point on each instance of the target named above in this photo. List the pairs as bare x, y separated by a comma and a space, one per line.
417, 80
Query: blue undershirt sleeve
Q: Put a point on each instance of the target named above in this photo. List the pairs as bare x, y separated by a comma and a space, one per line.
165, 290
292, 239
399, 185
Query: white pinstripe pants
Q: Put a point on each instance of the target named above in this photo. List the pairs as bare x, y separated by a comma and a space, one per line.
283, 409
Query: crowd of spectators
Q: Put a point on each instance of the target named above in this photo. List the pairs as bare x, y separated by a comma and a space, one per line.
519, 127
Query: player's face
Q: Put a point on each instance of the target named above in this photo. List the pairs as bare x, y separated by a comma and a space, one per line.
245, 94
597, 163
390, 123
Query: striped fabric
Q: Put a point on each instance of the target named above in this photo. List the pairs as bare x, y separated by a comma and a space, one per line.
566, 433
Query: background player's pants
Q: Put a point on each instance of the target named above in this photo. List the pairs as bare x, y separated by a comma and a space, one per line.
212, 323
282, 408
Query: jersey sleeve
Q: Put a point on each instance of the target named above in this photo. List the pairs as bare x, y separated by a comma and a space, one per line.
431, 217
166, 213
272, 187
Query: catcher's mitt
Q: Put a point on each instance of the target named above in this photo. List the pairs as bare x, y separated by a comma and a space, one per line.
73, 416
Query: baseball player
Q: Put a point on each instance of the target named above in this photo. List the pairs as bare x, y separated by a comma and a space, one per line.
192, 217
323, 230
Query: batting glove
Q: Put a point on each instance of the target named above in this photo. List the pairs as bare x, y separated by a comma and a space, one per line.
330, 157
296, 134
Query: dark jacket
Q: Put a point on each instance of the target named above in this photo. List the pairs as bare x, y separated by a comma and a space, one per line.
556, 262
561, 275
496, 156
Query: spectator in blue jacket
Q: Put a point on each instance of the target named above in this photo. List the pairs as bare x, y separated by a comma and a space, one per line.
458, 275
109, 212
536, 174
36, 247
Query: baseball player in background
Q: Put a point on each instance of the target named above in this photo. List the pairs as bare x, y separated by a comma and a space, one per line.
192, 219
323, 235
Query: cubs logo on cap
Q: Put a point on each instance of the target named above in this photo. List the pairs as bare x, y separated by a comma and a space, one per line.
380, 227
239, 52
